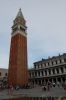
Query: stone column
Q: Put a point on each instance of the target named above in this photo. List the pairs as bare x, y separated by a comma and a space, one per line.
55, 71
40, 73
34, 74
64, 69
44, 80
47, 72
37, 73
43, 72
33, 82
51, 72
37, 82
61, 81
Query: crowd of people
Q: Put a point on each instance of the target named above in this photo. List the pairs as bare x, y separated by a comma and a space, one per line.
45, 87
49, 85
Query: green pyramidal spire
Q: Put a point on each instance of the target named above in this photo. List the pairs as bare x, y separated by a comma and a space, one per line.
19, 14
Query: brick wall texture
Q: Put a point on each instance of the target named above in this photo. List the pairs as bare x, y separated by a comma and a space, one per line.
18, 67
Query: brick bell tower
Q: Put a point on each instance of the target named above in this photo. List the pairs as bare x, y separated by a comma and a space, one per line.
18, 67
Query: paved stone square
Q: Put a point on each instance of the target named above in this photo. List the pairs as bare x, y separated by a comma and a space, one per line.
34, 92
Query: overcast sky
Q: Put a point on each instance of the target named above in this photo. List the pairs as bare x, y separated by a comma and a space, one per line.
46, 22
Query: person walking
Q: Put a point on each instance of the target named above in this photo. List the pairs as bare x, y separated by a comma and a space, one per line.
10, 89
48, 85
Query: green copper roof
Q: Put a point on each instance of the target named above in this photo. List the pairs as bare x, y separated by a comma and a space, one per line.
20, 14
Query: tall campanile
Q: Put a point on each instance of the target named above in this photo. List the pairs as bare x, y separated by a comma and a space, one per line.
18, 67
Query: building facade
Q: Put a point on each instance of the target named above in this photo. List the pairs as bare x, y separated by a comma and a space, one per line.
18, 67
51, 69
3, 76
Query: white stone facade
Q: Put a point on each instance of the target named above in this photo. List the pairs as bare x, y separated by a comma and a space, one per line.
52, 69
3, 73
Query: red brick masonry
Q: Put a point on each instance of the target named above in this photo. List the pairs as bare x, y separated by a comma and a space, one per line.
18, 71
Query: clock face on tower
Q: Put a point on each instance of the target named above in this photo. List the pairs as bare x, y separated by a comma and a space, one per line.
18, 65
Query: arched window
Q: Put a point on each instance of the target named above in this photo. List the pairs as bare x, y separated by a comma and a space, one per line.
41, 65
53, 71
38, 65
45, 72
52, 62
57, 70
64, 59
35, 73
5, 74
22, 28
38, 73
46, 64
42, 73
35, 66
60, 60
61, 69
49, 71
